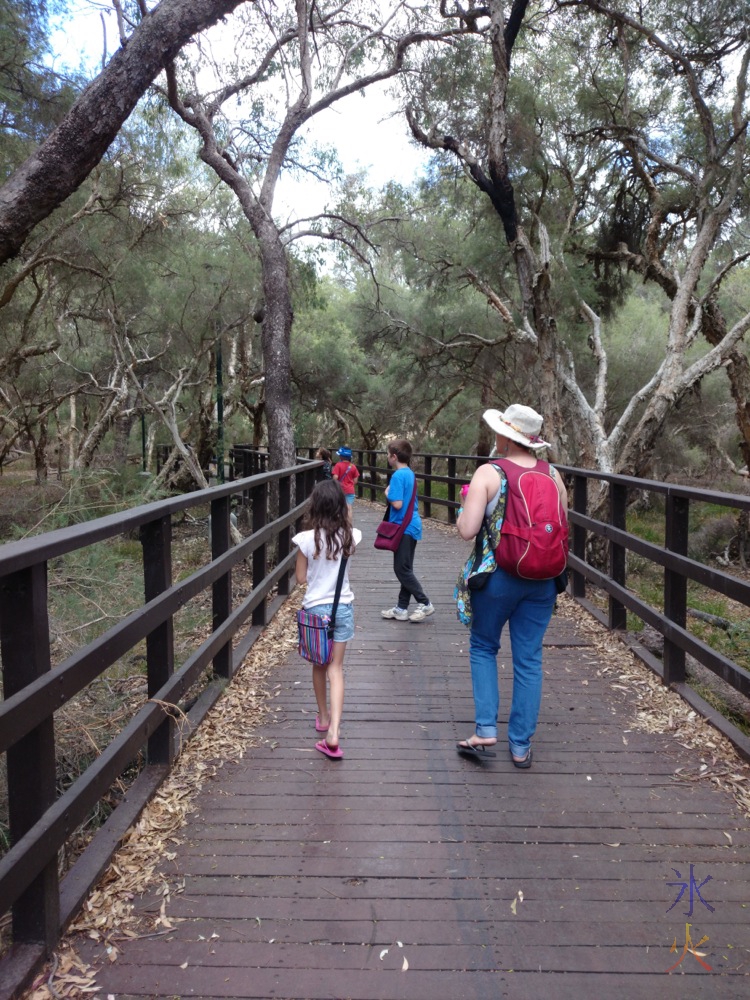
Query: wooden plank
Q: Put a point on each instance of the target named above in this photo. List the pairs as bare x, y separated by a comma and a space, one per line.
378, 984
296, 873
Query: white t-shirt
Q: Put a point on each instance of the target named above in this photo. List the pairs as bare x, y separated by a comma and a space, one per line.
323, 573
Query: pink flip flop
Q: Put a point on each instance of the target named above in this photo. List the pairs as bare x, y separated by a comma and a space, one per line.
335, 753
318, 727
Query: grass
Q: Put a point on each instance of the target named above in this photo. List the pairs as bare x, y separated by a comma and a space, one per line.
89, 591
717, 702
647, 580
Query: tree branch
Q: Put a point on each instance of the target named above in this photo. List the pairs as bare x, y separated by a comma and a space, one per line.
69, 154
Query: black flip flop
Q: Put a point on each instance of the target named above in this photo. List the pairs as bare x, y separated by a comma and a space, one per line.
475, 749
526, 762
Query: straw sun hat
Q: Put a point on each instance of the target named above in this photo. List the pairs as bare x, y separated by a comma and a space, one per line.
519, 423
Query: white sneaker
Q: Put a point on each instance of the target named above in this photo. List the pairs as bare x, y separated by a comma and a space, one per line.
400, 614
421, 612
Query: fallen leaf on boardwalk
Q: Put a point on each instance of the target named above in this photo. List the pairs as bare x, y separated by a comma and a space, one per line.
513, 906
405, 966
728, 836
383, 953
223, 737
657, 709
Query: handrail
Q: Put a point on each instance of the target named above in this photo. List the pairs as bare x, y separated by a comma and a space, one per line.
679, 568
41, 824
33, 691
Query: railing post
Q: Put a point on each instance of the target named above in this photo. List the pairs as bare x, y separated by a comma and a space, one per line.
221, 540
578, 543
248, 469
373, 474
618, 504
359, 485
259, 501
24, 639
675, 585
300, 491
284, 544
451, 489
156, 542
427, 485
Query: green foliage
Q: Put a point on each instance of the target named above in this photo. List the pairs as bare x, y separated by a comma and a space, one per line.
87, 496
162, 260
32, 96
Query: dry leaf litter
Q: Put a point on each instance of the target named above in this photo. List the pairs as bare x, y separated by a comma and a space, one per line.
660, 710
108, 915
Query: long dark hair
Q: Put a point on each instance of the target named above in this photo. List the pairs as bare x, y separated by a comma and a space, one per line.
328, 516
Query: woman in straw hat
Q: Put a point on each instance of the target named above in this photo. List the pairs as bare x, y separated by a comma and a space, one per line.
526, 605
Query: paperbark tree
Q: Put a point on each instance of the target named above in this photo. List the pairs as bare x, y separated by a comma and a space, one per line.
68, 155
492, 175
688, 186
316, 58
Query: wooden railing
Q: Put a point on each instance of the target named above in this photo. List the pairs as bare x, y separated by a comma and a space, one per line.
599, 560
41, 821
679, 569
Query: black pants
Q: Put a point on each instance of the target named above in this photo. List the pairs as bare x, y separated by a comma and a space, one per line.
403, 567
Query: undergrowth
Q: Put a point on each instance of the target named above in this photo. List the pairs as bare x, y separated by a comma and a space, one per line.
89, 591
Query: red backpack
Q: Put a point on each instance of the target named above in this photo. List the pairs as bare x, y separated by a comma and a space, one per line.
534, 534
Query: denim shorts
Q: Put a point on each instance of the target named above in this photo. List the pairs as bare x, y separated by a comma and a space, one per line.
344, 628
349, 499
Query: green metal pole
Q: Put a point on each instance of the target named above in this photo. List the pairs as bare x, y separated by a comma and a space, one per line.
219, 414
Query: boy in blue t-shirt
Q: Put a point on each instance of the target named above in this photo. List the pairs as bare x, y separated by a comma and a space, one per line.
398, 494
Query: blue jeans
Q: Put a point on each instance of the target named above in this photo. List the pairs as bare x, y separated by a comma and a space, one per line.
343, 630
526, 605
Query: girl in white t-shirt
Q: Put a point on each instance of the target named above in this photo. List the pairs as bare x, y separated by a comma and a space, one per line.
329, 537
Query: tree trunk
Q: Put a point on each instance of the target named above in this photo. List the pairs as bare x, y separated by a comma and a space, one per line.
64, 160
486, 439
738, 372
205, 446
532, 273
276, 339
40, 452
258, 415
110, 409
72, 432
150, 445
122, 425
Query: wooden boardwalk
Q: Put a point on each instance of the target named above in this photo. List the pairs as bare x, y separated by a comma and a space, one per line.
406, 871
